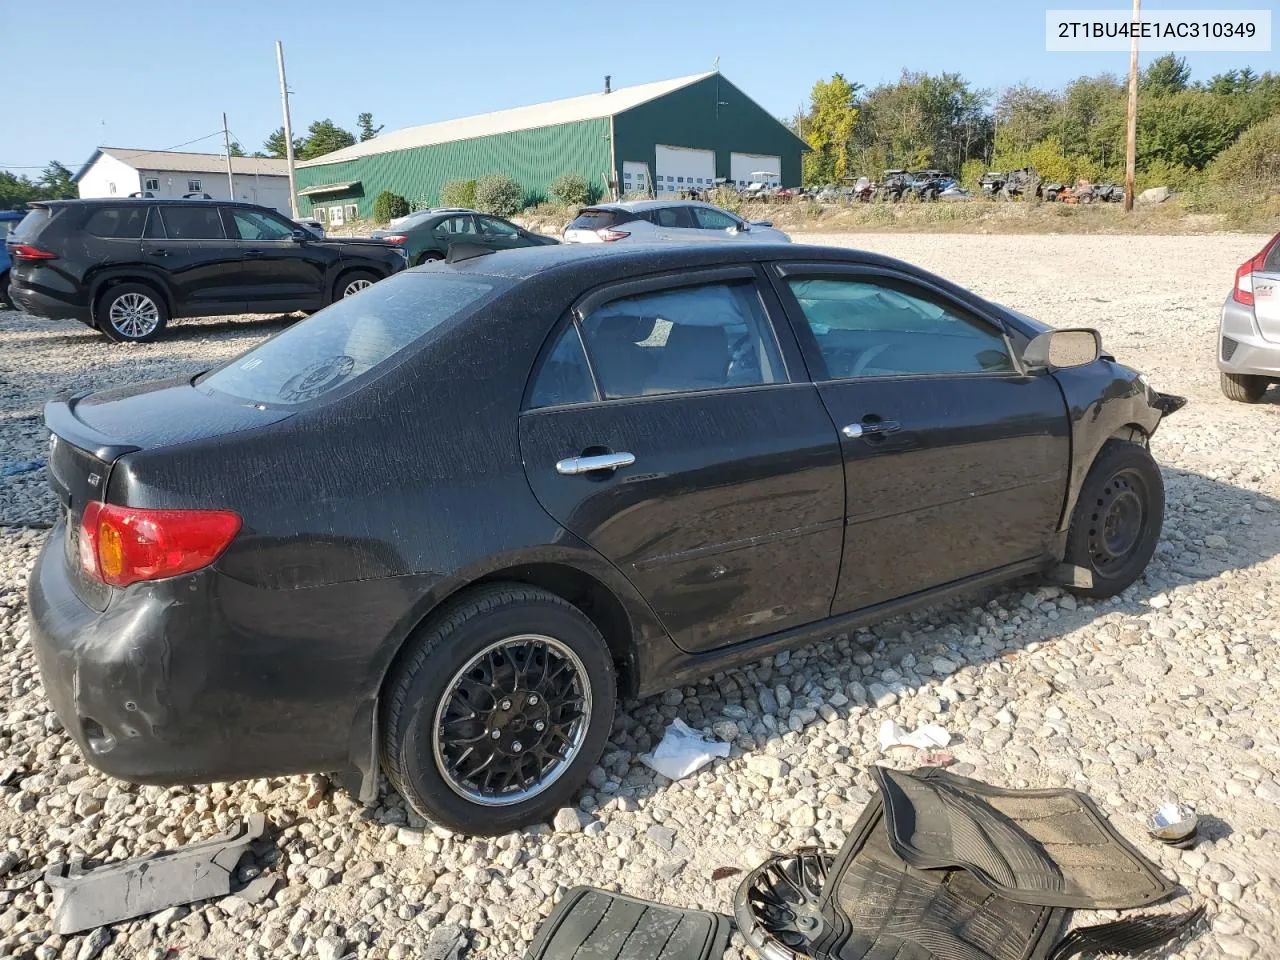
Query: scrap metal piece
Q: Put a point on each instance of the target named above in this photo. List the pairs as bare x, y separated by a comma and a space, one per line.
777, 904
84, 899
1174, 824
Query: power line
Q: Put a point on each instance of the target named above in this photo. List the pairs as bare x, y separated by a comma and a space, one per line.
137, 156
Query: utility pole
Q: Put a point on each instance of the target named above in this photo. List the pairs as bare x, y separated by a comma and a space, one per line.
288, 131
1131, 140
226, 139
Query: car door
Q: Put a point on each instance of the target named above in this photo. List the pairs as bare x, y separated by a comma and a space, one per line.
203, 263
718, 225
683, 452
499, 235
277, 271
956, 462
675, 223
460, 228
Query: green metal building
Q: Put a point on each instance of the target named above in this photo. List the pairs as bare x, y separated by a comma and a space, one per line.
655, 139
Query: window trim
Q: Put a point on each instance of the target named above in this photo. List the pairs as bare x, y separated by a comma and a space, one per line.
638, 286
566, 321
782, 272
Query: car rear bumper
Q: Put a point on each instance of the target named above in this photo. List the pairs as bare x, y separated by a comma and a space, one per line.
43, 305
1241, 347
163, 687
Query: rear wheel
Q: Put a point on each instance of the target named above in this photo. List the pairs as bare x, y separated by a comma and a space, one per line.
499, 710
4, 289
132, 313
349, 284
1118, 517
429, 257
1243, 387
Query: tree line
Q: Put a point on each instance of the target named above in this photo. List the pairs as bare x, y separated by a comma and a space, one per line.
925, 120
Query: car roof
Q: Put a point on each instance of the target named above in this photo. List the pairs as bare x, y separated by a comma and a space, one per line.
634, 206
162, 201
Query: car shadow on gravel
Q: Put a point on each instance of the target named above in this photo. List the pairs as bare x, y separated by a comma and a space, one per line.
1211, 527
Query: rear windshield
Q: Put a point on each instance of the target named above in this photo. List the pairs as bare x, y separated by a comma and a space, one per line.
351, 340
596, 219
1272, 263
35, 219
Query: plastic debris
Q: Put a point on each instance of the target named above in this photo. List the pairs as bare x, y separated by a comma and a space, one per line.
930, 737
84, 899
682, 751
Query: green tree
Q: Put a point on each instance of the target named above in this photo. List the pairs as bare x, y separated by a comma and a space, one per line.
55, 182
388, 206
571, 189
364, 123
1024, 116
828, 129
274, 145
458, 193
324, 136
1254, 159
498, 194
236, 149
16, 190
1186, 129
921, 120
1165, 74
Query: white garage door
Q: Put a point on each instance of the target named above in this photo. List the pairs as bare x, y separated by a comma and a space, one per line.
744, 168
680, 168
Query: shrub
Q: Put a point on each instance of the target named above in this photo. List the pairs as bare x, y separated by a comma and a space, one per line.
571, 189
388, 206
498, 194
458, 193
1254, 158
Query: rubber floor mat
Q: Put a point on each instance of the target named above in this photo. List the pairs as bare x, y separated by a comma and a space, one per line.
591, 924
875, 906
1048, 847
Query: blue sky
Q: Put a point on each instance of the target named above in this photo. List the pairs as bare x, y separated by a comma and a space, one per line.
79, 73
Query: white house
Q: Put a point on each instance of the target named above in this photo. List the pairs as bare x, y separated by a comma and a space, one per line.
116, 172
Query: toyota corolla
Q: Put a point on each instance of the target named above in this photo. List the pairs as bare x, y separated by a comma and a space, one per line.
438, 528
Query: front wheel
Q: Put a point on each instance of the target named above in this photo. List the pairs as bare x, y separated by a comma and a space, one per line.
349, 284
132, 313
499, 710
1243, 387
1117, 519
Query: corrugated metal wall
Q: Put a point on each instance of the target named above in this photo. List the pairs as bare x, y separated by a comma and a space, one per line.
711, 114
533, 157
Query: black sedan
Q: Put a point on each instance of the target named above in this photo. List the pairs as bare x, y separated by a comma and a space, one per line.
438, 528
427, 235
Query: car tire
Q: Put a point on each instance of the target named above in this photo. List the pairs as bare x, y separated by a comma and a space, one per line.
132, 313
352, 282
1243, 387
429, 257
1117, 519
4, 291
466, 658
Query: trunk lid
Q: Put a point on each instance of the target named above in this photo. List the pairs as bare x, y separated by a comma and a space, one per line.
91, 432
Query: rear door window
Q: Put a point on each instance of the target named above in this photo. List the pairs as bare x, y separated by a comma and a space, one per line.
118, 223
457, 226
677, 217
344, 343
193, 223
705, 337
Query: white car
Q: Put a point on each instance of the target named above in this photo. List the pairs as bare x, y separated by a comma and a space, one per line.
641, 221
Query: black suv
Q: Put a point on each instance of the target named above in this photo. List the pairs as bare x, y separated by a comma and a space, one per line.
127, 266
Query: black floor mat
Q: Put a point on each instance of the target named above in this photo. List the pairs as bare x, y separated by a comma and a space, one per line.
1047, 847
590, 924
877, 907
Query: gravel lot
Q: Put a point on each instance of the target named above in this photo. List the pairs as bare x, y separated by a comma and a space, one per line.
1170, 691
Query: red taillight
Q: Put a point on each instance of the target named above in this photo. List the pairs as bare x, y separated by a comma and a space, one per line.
123, 545
24, 251
604, 233
395, 238
1242, 292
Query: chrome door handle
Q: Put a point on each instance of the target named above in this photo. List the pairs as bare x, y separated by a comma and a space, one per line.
572, 466
855, 430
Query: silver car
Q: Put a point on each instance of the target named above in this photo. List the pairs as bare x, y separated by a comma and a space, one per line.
639, 221
1249, 333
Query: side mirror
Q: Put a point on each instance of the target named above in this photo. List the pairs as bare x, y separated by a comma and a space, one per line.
299, 235
1059, 349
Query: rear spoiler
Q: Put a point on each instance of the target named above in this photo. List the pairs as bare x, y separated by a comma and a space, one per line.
60, 417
